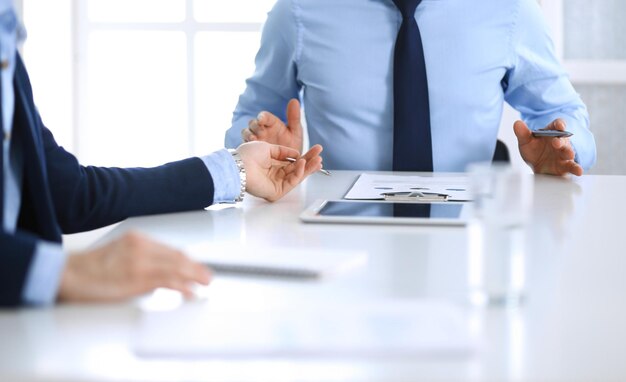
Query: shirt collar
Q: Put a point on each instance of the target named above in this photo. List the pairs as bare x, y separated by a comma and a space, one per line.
9, 23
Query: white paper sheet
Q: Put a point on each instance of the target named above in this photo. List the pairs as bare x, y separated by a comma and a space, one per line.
375, 329
371, 186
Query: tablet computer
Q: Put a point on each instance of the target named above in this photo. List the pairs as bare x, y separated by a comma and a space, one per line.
378, 212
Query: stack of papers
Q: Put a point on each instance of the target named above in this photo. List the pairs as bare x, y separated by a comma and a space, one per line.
384, 329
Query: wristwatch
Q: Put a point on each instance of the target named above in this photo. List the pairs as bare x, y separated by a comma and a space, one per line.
242, 173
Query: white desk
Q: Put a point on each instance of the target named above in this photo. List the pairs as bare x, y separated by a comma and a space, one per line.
570, 328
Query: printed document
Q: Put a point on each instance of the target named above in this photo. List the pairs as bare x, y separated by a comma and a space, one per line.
372, 186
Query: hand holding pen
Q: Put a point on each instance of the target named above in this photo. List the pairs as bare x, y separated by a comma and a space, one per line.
268, 173
552, 133
548, 150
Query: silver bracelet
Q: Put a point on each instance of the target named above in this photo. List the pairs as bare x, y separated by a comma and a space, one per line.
242, 173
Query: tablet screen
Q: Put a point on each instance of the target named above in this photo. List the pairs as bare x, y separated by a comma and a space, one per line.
375, 209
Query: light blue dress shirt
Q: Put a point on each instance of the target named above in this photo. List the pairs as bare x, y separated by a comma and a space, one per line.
11, 170
43, 277
337, 55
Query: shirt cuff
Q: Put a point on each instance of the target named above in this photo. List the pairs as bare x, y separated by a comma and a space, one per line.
44, 274
225, 173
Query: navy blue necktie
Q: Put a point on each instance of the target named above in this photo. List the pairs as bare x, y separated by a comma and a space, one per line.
412, 146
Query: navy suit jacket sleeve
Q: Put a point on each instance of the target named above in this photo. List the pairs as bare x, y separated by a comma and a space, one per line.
63, 196
89, 197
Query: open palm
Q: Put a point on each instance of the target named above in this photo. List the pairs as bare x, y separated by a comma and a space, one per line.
269, 128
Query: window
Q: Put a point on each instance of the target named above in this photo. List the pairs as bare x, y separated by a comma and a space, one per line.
595, 58
147, 80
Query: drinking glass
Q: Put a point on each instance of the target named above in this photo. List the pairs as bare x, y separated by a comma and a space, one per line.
502, 203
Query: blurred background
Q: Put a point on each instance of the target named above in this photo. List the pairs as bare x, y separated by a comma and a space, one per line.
109, 73
140, 82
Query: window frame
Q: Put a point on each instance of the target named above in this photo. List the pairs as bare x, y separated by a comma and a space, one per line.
82, 27
587, 72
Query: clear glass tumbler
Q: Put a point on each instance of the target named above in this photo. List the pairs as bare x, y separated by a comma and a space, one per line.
502, 203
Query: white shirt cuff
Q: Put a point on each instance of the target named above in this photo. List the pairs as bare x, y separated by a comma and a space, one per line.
42, 281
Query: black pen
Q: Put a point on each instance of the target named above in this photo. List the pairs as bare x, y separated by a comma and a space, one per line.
325, 172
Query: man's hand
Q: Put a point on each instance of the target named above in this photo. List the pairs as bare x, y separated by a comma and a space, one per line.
553, 156
128, 267
269, 128
268, 173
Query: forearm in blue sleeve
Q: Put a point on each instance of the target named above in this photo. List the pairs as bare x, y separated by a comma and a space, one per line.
225, 174
538, 86
44, 275
557, 99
